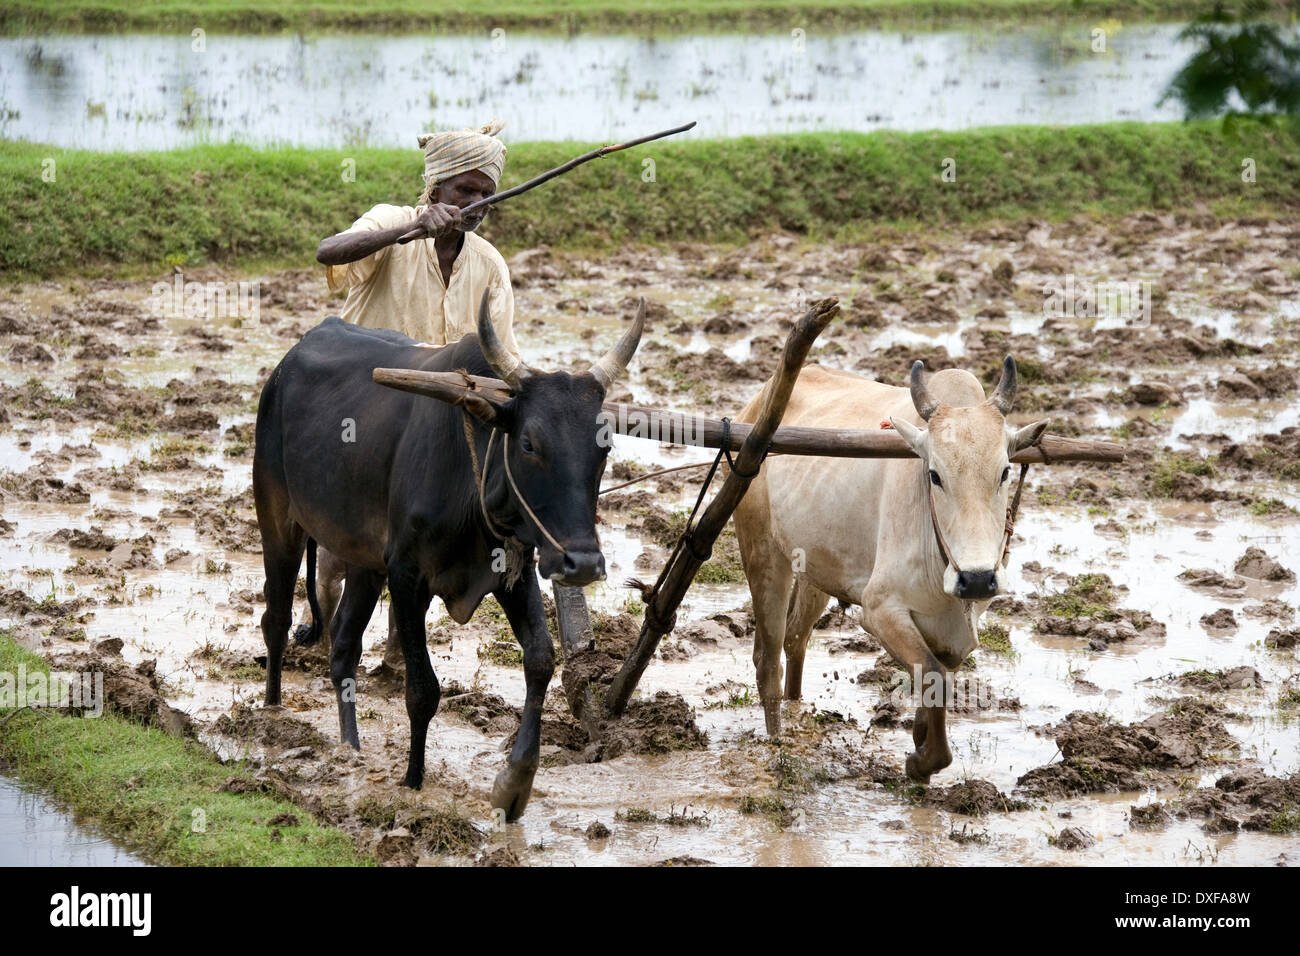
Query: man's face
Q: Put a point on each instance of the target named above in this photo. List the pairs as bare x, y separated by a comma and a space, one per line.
463, 190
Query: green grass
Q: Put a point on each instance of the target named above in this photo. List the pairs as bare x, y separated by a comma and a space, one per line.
457, 15
232, 204
996, 638
1170, 466
684, 818
774, 808
1269, 506
142, 787
1086, 595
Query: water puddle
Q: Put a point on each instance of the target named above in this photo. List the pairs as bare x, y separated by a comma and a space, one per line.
33, 832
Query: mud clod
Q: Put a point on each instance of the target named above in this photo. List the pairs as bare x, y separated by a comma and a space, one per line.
1101, 756
1073, 838
1153, 816
972, 797
1256, 564
269, 727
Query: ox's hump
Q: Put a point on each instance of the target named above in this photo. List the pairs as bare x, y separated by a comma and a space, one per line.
956, 387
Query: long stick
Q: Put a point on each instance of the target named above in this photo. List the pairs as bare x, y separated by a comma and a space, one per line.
683, 428
551, 174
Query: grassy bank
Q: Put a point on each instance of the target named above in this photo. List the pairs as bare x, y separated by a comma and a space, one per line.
459, 16
141, 787
234, 204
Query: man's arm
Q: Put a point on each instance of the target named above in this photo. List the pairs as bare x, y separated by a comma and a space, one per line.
438, 220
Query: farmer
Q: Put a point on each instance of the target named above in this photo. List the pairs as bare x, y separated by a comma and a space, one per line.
429, 288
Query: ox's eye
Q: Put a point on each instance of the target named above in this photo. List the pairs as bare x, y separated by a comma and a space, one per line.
526, 445
934, 479
1006, 473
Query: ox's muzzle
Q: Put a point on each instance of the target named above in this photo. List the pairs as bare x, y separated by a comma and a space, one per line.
976, 585
572, 568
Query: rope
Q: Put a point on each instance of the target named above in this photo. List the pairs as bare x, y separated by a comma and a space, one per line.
505, 458
479, 475
654, 474
725, 446
1013, 509
1008, 526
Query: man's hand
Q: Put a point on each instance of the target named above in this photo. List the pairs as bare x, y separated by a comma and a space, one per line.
438, 220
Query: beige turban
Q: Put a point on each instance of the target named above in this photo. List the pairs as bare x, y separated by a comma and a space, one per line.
452, 153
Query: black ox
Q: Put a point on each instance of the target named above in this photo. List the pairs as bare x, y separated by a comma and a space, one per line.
399, 503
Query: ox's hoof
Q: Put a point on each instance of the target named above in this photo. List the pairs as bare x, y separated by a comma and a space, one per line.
915, 771
386, 672
511, 790
772, 717
304, 635
413, 781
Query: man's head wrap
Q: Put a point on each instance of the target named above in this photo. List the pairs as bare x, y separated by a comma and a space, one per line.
452, 153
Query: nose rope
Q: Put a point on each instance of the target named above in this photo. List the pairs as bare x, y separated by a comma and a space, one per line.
505, 457
1008, 527
938, 535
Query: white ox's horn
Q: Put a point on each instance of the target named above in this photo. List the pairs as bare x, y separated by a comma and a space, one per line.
614, 362
503, 363
925, 405
1004, 396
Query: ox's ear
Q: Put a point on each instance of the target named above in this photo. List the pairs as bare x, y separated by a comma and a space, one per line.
915, 437
449, 387
1022, 438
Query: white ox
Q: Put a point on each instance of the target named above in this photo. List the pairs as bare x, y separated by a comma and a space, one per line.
874, 532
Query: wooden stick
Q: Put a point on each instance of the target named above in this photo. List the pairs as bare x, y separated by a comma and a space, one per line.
576, 637
683, 428
552, 173
685, 562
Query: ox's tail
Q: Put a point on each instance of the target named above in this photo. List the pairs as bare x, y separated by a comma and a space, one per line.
305, 634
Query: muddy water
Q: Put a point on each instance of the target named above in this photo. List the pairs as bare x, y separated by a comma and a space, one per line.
196, 616
34, 833
156, 92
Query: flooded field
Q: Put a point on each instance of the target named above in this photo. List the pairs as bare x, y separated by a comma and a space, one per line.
158, 92
1155, 601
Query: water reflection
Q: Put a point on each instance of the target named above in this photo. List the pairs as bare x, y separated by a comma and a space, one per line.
34, 833
156, 91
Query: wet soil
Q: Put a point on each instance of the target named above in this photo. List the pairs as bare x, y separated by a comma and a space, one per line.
1146, 694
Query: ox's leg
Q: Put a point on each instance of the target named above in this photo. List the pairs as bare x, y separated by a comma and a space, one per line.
769, 574
359, 597
770, 591
393, 662
281, 557
892, 623
523, 607
410, 595
329, 589
806, 605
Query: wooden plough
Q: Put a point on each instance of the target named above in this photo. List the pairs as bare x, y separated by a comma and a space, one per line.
751, 443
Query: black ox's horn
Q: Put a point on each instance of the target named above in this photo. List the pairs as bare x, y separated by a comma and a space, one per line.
506, 366
614, 362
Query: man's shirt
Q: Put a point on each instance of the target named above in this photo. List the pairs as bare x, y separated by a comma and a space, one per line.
400, 287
